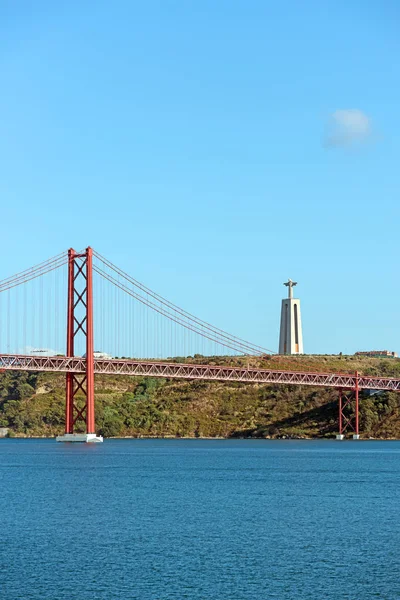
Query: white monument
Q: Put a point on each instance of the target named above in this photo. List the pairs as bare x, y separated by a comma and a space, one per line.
291, 334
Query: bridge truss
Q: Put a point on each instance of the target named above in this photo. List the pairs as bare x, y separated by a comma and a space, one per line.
173, 370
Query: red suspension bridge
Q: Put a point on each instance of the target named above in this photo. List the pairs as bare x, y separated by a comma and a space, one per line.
129, 320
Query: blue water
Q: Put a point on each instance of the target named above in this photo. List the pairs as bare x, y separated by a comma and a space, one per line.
199, 519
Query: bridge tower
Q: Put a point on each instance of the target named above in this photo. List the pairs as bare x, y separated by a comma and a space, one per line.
291, 334
79, 401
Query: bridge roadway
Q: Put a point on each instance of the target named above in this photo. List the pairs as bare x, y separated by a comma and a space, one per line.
62, 364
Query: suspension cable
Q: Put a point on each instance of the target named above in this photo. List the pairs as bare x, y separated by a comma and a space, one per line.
33, 272
198, 322
237, 347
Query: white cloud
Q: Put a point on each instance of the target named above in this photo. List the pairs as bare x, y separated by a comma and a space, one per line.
348, 127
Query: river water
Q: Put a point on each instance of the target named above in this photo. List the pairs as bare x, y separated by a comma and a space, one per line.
199, 519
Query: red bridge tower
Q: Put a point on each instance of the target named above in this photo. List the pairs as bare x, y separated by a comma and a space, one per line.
79, 401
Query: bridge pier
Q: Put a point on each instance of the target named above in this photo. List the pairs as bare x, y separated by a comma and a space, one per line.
89, 438
349, 400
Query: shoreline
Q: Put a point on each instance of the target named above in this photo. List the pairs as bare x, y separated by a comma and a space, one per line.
155, 437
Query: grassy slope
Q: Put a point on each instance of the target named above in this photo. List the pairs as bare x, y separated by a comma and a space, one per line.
33, 404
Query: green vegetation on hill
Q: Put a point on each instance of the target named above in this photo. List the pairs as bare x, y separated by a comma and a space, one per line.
32, 404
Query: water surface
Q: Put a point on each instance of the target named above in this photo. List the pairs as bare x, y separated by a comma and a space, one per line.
199, 519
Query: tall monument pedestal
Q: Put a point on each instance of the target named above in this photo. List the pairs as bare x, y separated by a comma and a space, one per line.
291, 333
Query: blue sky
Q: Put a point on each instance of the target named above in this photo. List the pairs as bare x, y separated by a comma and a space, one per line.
194, 144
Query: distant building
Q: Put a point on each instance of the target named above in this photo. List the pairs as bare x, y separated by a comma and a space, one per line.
42, 352
378, 354
99, 354
291, 333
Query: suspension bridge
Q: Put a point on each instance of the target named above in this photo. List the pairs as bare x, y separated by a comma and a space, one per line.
141, 328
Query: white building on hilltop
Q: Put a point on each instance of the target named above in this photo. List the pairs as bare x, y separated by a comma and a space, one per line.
291, 333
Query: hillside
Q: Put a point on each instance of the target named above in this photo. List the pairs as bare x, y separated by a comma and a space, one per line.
32, 404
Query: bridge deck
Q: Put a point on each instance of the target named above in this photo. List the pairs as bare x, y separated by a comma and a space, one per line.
62, 364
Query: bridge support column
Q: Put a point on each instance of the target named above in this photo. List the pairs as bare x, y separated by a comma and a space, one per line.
79, 401
356, 434
349, 412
